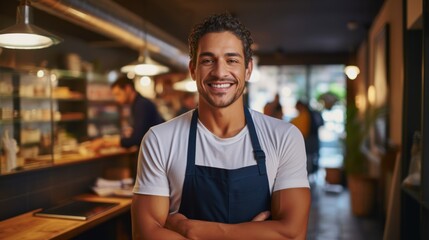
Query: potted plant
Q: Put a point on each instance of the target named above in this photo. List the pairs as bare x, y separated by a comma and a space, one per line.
362, 187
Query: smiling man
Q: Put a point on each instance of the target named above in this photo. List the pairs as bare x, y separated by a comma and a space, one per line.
222, 171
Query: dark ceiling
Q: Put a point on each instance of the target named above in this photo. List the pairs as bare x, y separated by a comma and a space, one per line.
297, 27
291, 26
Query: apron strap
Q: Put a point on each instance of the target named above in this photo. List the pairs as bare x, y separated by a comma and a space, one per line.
190, 163
257, 150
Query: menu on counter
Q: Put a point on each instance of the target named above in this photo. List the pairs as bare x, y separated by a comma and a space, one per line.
76, 210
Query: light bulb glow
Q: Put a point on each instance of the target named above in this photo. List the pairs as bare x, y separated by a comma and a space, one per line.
371, 95
352, 72
187, 85
24, 41
149, 69
40, 73
145, 81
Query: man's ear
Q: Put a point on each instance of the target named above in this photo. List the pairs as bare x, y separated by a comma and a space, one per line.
249, 69
191, 68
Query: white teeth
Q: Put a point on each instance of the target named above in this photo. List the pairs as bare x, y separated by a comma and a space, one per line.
223, 85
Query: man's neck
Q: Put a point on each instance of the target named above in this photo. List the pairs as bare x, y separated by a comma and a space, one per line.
223, 122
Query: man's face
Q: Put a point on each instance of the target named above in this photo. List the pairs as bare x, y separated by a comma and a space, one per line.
121, 95
220, 70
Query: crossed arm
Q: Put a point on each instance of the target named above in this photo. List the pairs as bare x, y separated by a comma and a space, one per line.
289, 210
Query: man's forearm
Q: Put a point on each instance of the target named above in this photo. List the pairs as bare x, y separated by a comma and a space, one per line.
290, 209
195, 229
158, 233
148, 217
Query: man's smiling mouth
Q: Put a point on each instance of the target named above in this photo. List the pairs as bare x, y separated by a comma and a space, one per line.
220, 85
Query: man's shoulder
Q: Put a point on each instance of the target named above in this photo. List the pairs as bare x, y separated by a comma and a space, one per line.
260, 118
177, 125
272, 126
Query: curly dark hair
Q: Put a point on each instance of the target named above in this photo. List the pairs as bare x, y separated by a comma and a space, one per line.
220, 23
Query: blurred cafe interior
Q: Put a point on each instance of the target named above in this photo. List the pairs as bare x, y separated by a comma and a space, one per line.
360, 63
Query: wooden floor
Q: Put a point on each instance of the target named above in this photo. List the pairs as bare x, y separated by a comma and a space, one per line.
331, 217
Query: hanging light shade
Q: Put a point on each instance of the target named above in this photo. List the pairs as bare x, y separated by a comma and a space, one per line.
25, 35
352, 71
145, 66
186, 85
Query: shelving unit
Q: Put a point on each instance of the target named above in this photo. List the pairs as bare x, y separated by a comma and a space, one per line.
415, 200
103, 112
69, 106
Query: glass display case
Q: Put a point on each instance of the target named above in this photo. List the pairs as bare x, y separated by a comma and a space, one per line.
25, 119
46, 115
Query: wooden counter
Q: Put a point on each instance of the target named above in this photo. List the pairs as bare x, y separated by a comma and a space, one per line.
49, 161
27, 226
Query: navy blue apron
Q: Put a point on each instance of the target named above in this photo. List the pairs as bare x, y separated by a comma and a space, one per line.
222, 195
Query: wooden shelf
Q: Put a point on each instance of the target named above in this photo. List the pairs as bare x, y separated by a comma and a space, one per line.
103, 101
78, 99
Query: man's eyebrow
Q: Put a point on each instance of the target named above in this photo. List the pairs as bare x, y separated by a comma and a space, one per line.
231, 54
206, 54
234, 54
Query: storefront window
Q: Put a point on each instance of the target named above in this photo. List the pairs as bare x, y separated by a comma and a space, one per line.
322, 86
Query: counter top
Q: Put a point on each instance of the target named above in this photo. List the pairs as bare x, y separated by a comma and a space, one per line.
27, 226
42, 162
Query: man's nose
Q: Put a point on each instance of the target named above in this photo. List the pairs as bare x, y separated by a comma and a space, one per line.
220, 69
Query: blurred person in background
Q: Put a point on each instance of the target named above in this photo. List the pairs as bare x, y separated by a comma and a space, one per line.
308, 121
302, 120
274, 108
144, 115
188, 102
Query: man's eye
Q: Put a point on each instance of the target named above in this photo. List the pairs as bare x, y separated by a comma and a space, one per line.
206, 61
233, 61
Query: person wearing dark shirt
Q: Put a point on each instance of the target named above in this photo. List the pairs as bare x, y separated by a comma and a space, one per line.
188, 102
143, 111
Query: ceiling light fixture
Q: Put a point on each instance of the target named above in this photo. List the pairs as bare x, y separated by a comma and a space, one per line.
351, 71
186, 85
144, 66
25, 35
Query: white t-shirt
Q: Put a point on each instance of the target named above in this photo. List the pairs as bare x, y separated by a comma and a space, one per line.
163, 155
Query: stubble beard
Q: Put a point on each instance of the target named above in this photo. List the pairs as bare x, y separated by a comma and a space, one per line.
222, 103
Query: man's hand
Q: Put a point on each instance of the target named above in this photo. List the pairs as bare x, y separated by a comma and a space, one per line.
289, 211
96, 144
262, 216
177, 222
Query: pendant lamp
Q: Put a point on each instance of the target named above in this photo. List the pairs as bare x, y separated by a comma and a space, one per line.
186, 85
144, 66
351, 71
25, 35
